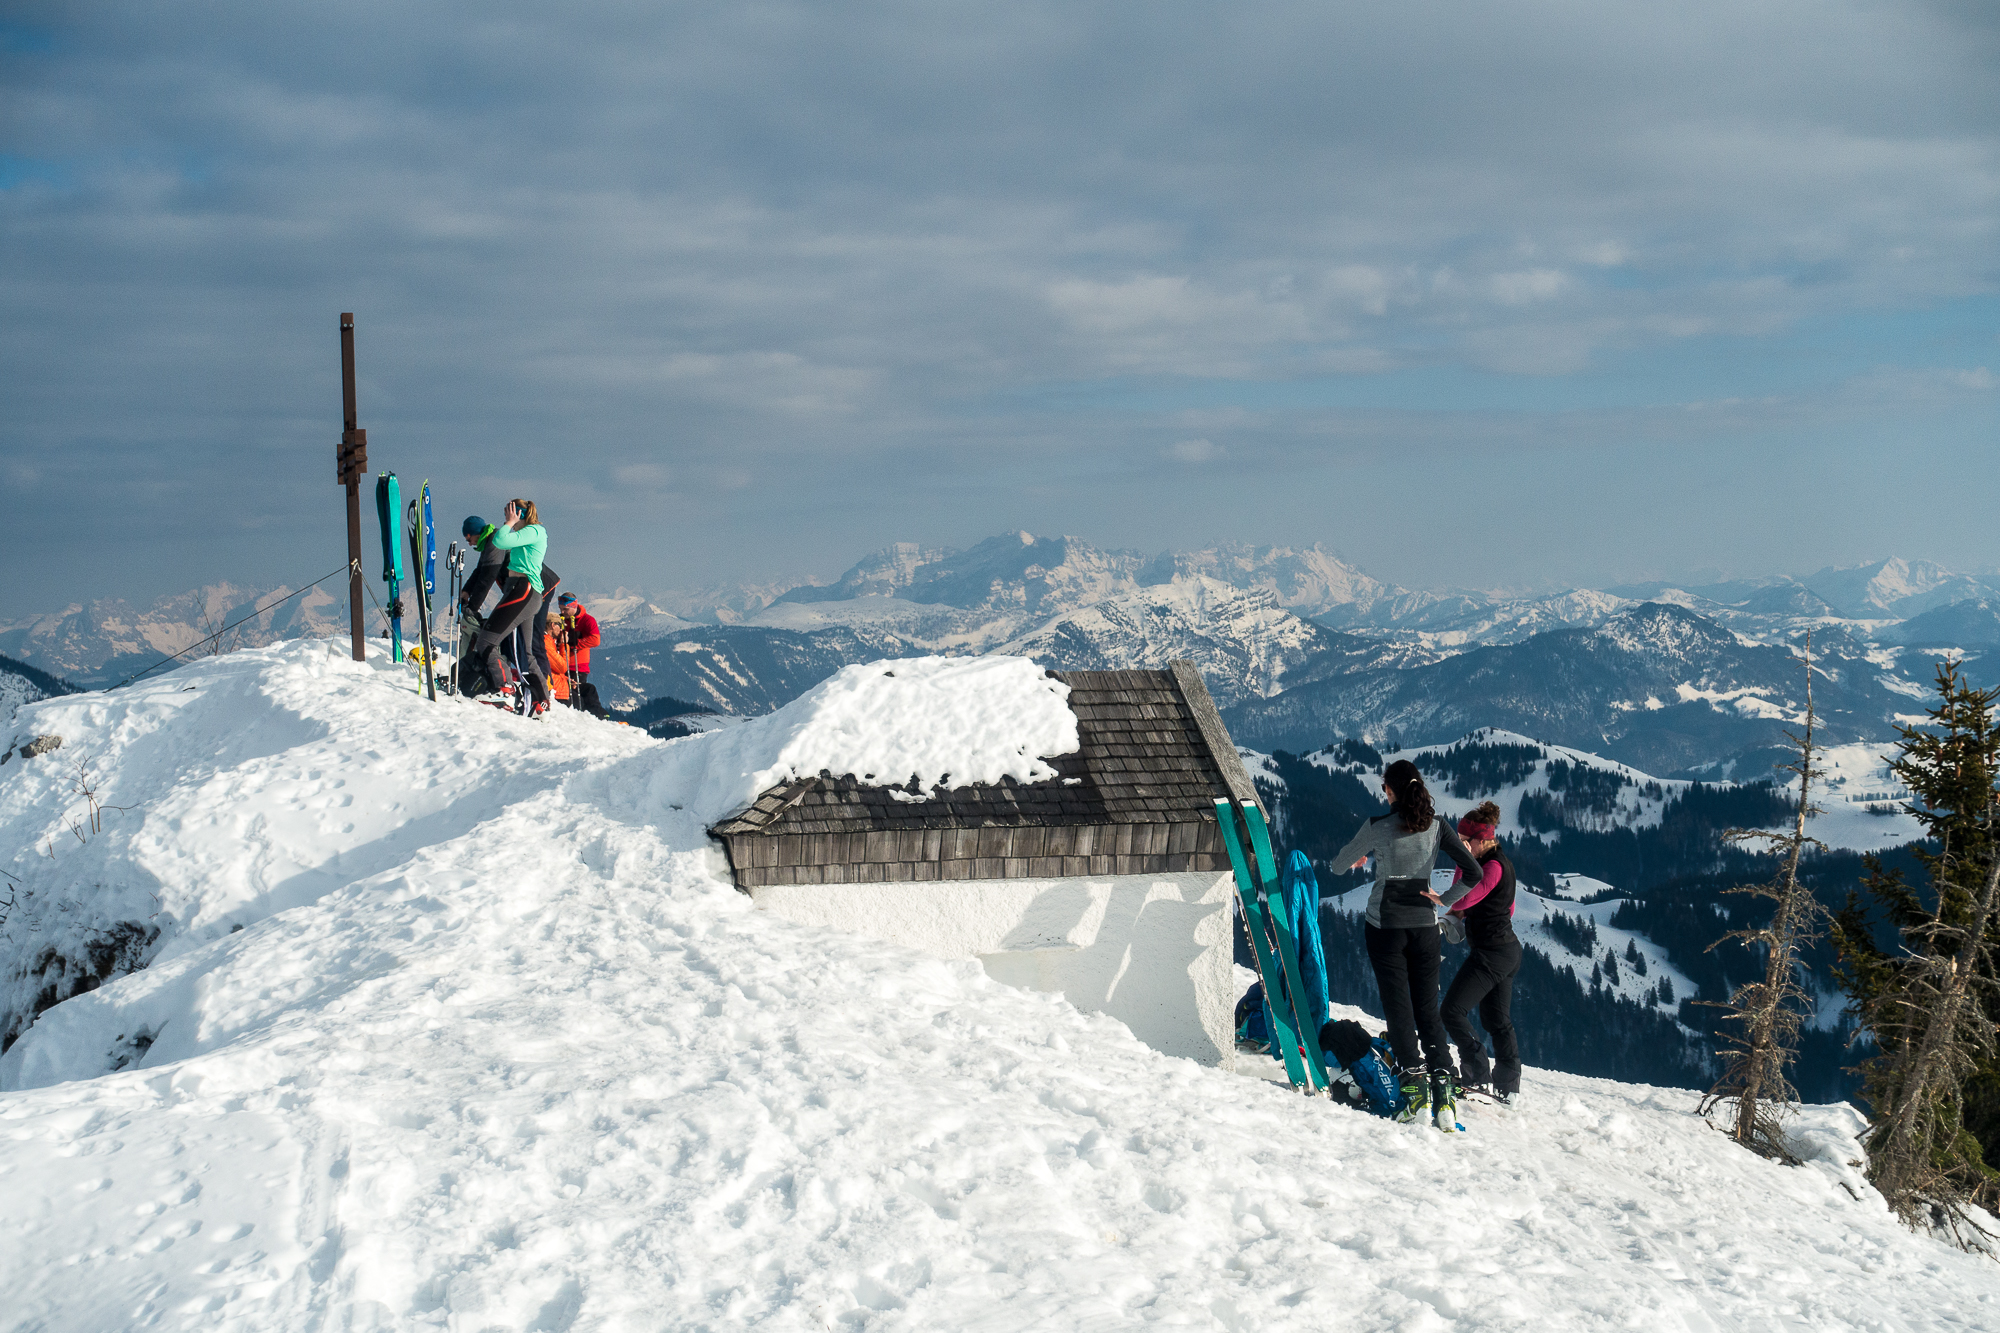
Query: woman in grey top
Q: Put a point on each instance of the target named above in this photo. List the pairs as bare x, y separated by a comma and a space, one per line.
1402, 931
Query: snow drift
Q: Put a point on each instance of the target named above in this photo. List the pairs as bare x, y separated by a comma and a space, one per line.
453, 1020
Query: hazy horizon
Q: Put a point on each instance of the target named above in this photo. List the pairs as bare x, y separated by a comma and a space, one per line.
582, 580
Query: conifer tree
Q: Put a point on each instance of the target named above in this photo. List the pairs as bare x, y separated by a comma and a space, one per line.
1755, 1084
1930, 999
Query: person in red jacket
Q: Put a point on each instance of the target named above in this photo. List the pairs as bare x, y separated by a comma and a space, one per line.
580, 633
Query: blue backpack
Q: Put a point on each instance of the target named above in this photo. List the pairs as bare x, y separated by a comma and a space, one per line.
1251, 1028
1367, 1079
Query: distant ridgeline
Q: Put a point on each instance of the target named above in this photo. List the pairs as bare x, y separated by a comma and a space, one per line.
1658, 843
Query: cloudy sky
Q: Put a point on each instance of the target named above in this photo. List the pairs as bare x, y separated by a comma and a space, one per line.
1519, 294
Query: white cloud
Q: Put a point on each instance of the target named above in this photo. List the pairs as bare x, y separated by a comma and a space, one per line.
1194, 451
1925, 383
1528, 288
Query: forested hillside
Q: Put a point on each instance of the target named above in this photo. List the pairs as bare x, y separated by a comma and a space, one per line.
1662, 872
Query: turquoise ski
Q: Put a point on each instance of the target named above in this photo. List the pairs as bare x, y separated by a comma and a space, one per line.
1285, 1037
1288, 945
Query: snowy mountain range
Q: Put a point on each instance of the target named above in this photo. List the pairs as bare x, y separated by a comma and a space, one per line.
1303, 649
98, 643
1301, 645
1659, 686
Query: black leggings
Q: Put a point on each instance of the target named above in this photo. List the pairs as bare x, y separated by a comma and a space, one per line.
1487, 980
540, 647
1406, 973
518, 602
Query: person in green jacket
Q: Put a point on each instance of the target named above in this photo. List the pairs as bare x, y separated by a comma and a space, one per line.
524, 540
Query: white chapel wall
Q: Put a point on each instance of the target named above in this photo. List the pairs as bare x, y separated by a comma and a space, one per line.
1152, 951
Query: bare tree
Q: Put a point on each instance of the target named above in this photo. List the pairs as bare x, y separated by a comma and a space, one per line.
1755, 1085
215, 641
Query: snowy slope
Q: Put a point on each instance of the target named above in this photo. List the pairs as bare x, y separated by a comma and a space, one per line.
499, 1047
1863, 805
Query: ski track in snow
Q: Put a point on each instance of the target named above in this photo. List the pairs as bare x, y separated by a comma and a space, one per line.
536, 1065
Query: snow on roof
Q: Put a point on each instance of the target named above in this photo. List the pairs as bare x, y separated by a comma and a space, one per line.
952, 721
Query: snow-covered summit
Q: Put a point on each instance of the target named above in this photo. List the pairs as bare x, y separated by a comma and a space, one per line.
453, 1020
1243, 642
1895, 587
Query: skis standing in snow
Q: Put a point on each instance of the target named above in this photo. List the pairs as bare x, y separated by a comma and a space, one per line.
389, 509
454, 566
1402, 933
1486, 978
1268, 921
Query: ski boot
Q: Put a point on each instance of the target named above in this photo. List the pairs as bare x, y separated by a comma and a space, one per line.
1416, 1089
1444, 1101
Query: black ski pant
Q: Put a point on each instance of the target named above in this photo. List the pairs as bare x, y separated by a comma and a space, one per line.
518, 600
540, 648
1487, 980
1406, 974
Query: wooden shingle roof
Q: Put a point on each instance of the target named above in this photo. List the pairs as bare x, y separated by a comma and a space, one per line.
1136, 797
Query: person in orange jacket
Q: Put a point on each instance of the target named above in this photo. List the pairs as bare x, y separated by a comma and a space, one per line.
580, 632
558, 659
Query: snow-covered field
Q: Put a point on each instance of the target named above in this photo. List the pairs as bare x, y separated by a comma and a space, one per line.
1862, 804
498, 1047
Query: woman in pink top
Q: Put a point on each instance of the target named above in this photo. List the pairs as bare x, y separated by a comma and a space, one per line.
1487, 977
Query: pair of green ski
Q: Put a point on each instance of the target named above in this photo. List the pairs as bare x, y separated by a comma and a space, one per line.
1270, 927
422, 569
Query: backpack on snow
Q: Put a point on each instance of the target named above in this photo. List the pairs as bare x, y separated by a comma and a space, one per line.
1367, 1079
1251, 1029
468, 672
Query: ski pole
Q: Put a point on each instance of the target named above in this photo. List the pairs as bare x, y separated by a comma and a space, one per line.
451, 614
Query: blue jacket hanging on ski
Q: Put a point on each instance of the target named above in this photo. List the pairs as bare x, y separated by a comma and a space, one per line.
1302, 908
